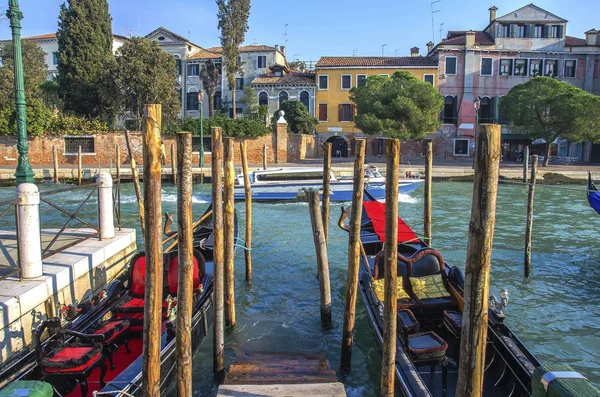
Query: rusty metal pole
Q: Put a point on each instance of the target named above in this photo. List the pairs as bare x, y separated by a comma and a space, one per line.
353, 254
229, 230
529, 224
473, 339
154, 254
248, 195
326, 198
185, 293
218, 249
388, 366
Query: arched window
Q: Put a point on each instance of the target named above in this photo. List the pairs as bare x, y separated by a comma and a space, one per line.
305, 99
263, 99
283, 96
450, 116
485, 110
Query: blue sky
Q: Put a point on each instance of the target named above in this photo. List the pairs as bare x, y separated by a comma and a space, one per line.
315, 27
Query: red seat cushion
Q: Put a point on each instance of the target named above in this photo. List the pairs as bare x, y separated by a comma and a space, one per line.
111, 329
138, 276
71, 358
173, 275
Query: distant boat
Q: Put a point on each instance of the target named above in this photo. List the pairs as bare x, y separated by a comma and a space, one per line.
593, 195
284, 183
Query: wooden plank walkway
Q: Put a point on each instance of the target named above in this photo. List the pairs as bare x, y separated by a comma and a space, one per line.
281, 374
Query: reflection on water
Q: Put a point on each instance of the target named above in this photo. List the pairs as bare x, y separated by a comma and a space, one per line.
556, 312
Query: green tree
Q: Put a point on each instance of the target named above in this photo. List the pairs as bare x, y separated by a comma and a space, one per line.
401, 107
299, 119
297, 65
34, 72
547, 108
49, 94
144, 73
39, 118
84, 42
210, 80
233, 24
250, 100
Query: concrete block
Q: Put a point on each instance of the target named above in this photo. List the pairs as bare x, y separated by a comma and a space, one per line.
31, 320
12, 339
9, 310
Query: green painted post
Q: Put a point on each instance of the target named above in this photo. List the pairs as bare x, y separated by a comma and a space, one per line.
24, 173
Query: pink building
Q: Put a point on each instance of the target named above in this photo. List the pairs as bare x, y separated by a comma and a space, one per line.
485, 64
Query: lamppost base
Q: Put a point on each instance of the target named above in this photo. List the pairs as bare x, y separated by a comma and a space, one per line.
24, 174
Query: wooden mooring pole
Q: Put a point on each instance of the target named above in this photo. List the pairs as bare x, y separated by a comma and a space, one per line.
529, 225
248, 195
353, 253
136, 185
173, 168
312, 195
326, 197
217, 203
153, 298
388, 366
264, 157
229, 230
427, 193
79, 166
55, 161
185, 294
477, 272
525, 164
118, 162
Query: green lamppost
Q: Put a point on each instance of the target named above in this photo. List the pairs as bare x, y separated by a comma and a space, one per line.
24, 172
200, 104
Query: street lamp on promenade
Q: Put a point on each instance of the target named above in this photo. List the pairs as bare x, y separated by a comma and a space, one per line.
24, 173
200, 104
476, 105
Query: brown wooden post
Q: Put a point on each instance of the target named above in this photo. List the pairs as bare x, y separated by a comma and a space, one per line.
154, 260
55, 161
322, 261
79, 166
264, 157
326, 198
136, 185
229, 230
427, 193
217, 200
173, 168
529, 224
353, 253
525, 164
248, 194
118, 162
477, 273
388, 367
185, 294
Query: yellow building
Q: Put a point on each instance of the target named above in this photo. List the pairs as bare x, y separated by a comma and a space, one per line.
335, 76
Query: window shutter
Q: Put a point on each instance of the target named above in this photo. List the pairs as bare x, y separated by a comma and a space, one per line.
455, 110
513, 30
493, 109
560, 31
526, 31
352, 110
340, 112
530, 30
545, 31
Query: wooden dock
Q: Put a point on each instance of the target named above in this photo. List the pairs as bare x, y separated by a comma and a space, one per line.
281, 374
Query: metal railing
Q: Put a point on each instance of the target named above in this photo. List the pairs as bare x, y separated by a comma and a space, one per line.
6, 207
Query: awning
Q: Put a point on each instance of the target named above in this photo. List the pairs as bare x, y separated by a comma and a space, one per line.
514, 137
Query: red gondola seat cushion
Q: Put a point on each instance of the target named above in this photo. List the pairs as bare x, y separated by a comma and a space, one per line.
111, 329
71, 358
173, 274
138, 276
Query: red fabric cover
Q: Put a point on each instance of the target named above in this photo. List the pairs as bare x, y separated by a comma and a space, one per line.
108, 327
376, 213
138, 276
173, 275
67, 354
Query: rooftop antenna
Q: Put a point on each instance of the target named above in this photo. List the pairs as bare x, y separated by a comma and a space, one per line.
382, 48
397, 51
433, 12
295, 57
441, 24
354, 52
285, 34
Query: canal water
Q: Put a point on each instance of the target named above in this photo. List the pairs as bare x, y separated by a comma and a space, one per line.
556, 312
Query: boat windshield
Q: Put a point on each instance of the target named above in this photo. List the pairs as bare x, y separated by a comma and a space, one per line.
290, 176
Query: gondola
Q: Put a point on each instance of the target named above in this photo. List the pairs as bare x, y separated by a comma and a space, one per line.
429, 316
593, 195
100, 349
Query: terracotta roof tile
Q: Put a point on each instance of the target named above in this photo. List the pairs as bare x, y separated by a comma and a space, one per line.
247, 48
460, 38
205, 54
40, 37
377, 62
291, 78
574, 41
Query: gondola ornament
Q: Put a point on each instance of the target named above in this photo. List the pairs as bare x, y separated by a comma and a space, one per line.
499, 307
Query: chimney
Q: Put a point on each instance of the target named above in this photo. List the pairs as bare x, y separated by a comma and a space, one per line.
591, 37
276, 47
429, 46
414, 52
470, 39
493, 10
282, 48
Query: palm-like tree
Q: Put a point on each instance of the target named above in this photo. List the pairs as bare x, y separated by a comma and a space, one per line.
210, 79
